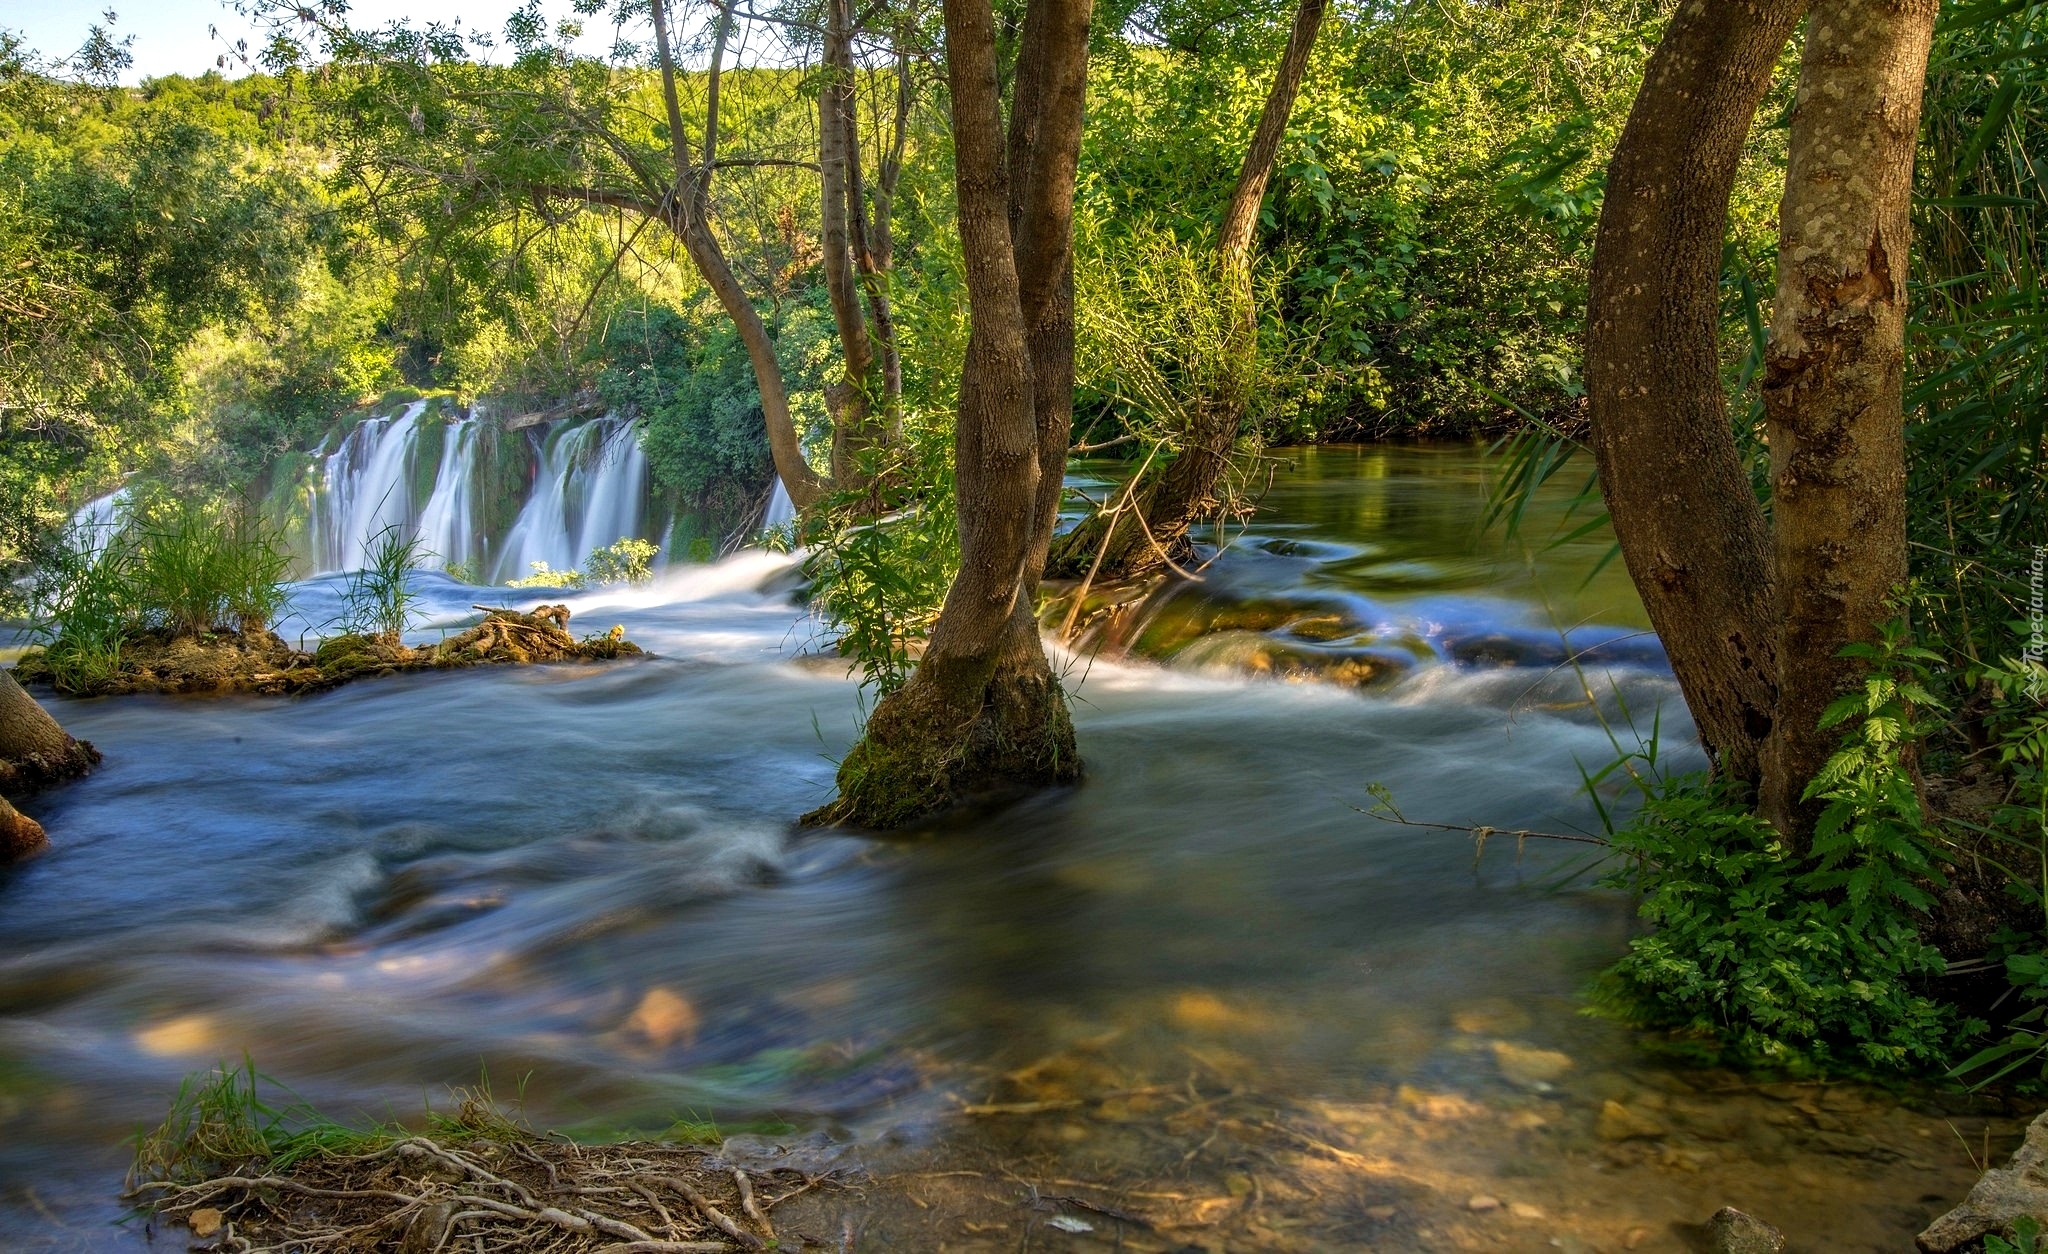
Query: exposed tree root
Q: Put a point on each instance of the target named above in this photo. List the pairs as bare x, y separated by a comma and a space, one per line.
512, 1193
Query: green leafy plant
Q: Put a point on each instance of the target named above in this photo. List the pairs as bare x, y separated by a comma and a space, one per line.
85, 598
881, 558
1808, 960
624, 560
2024, 1237
2020, 822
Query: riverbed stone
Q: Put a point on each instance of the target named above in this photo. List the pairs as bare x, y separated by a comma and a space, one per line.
2017, 1190
1529, 1066
1620, 1123
1731, 1231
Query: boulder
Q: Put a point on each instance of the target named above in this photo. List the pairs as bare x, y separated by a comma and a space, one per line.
2015, 1191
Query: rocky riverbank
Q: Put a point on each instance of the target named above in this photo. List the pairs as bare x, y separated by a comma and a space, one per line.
258, 662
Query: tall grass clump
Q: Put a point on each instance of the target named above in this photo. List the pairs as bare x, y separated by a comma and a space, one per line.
379, 599
219, 1121
204, 568
85, 598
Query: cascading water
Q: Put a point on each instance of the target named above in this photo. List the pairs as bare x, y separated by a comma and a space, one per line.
97, 520
781, 510
587, 486
447, 525
588, 493
365, 488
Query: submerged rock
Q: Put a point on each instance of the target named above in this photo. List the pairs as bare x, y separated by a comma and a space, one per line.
1731, 1231
2018, 1190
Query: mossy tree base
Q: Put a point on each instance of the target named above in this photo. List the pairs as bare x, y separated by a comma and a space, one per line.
961, 728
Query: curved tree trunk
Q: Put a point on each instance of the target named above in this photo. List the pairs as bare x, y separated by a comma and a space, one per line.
34, 753
983, 709
1690, 529
1835, 369
684, 209
1185, 490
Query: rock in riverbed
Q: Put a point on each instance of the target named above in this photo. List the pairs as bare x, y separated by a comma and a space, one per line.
1733, 1232
2017, 1190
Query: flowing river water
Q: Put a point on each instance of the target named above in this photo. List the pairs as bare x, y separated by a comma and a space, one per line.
1202, 988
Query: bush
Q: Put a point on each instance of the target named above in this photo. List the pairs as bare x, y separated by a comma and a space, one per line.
882, 559
86, 597
544, 576
1807, 961
624, 560
378, 599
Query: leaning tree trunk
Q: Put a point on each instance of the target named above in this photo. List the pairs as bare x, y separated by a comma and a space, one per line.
1185, 490
1835, 369
1688, 522
685, 208
982, 709
34, 753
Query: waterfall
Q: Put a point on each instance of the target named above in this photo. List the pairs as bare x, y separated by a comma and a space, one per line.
366, 487
489, 501
590, 490
96, 522
781, 510
447, 525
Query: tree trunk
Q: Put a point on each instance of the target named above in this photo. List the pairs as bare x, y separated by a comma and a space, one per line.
983, 708
1690, 529
850, 401
34, 753
1185, 490
1835, 369
685, 210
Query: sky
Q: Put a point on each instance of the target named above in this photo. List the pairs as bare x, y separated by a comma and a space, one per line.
171, 35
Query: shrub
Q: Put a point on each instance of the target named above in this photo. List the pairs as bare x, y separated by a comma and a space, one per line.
544, 576
86, 598
624, 560
1810, 962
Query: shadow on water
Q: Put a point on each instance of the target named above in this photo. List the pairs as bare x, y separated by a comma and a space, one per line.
1201, 983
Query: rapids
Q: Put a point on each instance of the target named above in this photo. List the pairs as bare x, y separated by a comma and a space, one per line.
585, 884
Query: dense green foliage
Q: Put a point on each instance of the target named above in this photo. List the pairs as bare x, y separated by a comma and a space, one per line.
1811, 962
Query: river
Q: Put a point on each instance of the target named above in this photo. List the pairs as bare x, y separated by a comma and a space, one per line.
1203, 978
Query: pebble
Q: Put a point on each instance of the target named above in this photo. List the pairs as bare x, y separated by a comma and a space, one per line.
1482, 1202
1523, 1210
204, 1222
